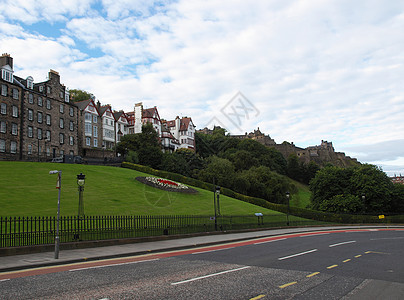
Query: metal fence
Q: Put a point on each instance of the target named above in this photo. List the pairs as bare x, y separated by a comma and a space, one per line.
26, 231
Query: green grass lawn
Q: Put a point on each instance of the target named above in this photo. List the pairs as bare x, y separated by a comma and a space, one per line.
302, 198
27, 189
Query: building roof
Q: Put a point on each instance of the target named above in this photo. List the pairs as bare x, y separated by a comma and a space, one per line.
82, 105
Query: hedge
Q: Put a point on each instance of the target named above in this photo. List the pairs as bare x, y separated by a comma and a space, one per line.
296, 211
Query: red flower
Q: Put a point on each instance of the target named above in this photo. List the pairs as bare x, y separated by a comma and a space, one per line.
168, 182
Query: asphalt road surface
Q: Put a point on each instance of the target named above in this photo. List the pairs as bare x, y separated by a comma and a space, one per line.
350, 264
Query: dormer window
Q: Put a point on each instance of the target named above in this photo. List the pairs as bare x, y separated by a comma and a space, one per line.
67, 94
41, 88
7, 73
30, 82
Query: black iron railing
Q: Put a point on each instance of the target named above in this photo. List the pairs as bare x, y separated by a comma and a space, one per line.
26, 231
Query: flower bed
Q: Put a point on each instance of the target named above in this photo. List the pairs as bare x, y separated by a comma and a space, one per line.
165, 184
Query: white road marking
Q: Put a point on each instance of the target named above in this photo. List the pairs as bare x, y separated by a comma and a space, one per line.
201, 252
4, 280
391, 238
313, 234
269, 241
297, 254
112, 265
210, 275
343, 243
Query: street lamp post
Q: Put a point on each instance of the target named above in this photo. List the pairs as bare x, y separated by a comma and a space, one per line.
287, 214
218, 203
80, 182
58, 186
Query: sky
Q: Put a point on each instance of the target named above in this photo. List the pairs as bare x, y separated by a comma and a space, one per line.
300, 71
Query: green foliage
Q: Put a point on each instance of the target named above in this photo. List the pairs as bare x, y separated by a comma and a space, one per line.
146, 145
366, 182
342, 204
219, 171
77, 95
300, 171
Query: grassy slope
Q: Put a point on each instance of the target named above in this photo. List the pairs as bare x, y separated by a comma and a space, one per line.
302, 198
27, 189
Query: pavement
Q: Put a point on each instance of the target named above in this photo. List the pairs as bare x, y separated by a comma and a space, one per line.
27, 261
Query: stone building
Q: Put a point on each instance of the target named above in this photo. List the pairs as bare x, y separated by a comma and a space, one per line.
38, 122
89, 129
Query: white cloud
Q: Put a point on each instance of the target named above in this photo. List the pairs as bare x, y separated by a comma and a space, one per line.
315, 70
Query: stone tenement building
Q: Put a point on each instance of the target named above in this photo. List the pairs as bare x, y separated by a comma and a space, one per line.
321, 154
37, 120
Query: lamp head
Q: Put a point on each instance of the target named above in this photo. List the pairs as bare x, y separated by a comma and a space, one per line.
81, 179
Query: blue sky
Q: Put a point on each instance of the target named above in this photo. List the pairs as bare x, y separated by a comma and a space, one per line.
308, 70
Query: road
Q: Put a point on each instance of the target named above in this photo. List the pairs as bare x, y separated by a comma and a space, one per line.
348, 264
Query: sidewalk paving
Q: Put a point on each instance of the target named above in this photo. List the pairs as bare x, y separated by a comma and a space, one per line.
26, 261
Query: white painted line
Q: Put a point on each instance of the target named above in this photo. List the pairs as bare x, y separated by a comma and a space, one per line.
298, 254
112, 265
210, 275
313, 234
201, 252
391, 238
4, 280
269, 241
343, 243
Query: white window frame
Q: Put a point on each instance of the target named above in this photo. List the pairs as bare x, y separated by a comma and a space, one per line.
48, 104
3, 126
30, 131
61, 123
15, 111
39, 133
14, 129
2, 146
95, 142
30, 114
48, 119
13, 147
61, 108
40, 117
3, 108
88, 141
71, 141
4, 90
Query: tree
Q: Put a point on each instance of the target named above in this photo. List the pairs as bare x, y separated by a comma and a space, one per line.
218, 170
146, 145
332, 184
77, 95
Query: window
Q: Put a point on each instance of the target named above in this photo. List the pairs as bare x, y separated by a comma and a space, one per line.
62, 108
39, 134
14, 129
61, 94
88, 129
48, 89
30, 114
7, 75
48, 151
40, 103
71, 126
71, 152
95, 131
39, 117
3, 108
71, 141
48, 104
87, 117
15, 93
4, 90
30, 132
95, 143
13, 148
62, 152
2, 146
30, 98
3, 127
61, 123
29, 149
94, 119
66, 96
48, 119
61, 138
41, 88
71, 111
15, 111
88, 141
30, 82
48, 135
